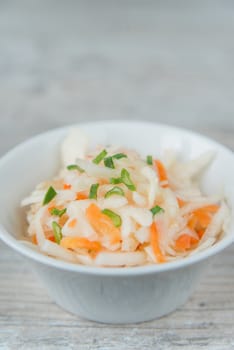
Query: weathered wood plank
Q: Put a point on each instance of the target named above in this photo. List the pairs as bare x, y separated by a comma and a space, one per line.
29, 317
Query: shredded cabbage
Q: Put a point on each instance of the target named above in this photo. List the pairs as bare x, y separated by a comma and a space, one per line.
188, 221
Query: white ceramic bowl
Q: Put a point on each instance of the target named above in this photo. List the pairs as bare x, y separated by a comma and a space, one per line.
119, 295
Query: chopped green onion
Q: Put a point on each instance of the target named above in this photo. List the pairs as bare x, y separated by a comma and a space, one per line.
50, 194
93, 191
57, 232
116, 219
157, 209
115, 180
75, 167
57, 212
119, 156
149, 160
109, 162
125, 177
100, 157
115, 191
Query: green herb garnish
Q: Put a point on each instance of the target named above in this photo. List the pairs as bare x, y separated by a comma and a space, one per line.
75, 167
119, 156
50, 194
100, 157
93, 191
125, 177
57, 212
116, 219
109, 162
57, 232
149, 160
157, 209
115, 180
115, 191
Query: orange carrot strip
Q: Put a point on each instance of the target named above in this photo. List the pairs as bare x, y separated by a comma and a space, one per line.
192, 223
62, 220
210, 208
102, 224
72, 223
180, 201
103, 181
185, 242
201, 233
51, 238
80, 242
66, 186
203, 218
81, 195
162, 173
154, 240
194, 241
34, 239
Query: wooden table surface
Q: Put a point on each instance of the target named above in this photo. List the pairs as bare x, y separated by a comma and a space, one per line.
63, 62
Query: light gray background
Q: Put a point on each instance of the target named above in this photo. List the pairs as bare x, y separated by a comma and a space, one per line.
68, 61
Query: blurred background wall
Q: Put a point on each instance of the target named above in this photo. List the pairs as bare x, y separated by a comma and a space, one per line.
65, 61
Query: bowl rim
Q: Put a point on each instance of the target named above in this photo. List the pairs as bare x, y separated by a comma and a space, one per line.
38, 257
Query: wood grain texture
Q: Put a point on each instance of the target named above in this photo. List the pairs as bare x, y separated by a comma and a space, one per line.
63, 62
30, 320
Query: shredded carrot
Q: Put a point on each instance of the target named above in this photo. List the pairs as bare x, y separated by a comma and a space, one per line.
154, 239
51, 238
34, 239
201, 233
102, 224
80, 242
194, 240
63, 219
185, 242
72, 223
180, 201
203, 218
66, 186
141, 246
162, 173
192, 223
81, 195
103, 181
211, 208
